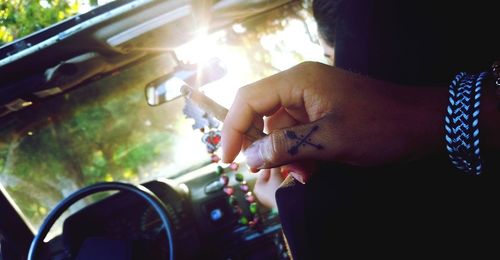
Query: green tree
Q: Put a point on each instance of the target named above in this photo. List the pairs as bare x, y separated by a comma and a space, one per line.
93, 134
19, 18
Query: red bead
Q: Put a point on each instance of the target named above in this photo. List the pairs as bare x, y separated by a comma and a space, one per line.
229, 190
215, 158
234, 166
249, 197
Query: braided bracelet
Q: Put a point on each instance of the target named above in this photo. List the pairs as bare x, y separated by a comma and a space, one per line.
462, 122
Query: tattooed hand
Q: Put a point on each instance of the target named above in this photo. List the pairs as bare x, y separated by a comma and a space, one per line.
317, 112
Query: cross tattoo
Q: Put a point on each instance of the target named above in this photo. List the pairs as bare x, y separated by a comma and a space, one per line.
302, 140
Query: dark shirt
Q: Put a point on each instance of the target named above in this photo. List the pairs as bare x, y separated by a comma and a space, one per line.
424, 208
416, 42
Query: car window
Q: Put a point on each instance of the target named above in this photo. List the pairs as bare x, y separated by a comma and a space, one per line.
105, 131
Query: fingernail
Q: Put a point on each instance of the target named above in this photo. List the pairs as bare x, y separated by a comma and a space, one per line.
254, 170
256, 154
298, 177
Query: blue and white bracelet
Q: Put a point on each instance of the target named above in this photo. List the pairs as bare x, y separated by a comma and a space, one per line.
462, 122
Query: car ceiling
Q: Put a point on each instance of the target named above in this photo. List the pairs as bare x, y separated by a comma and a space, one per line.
109, 37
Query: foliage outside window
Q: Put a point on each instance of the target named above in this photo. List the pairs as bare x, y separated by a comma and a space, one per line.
19, 18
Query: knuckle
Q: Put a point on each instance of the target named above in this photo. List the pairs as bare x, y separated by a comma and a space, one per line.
242, 93
337, 135
279, 146
309, 65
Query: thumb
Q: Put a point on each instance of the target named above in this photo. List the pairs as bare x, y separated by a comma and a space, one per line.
309, 141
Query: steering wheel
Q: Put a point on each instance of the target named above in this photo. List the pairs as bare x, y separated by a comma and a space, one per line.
138, 190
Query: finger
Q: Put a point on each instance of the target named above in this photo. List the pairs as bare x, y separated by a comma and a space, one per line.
245, 143
263, 175
280, 119
266, 185
251, 103
301, 170
315, 140
275, 176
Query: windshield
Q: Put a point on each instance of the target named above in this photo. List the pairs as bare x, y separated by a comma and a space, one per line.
105, 131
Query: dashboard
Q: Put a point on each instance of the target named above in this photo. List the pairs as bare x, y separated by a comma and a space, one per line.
203, 219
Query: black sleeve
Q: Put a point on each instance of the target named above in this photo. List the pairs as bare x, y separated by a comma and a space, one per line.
419, 209
426, 207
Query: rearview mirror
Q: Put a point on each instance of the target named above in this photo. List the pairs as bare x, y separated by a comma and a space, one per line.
168, 87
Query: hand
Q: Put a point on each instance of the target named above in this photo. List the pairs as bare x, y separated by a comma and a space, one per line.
266, 185
334, 115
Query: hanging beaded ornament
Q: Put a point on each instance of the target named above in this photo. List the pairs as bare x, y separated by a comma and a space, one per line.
252, 217
211, 138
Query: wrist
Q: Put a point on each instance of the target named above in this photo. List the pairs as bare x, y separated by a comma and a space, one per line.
427, 120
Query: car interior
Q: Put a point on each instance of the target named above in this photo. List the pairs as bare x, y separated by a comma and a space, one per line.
103, 155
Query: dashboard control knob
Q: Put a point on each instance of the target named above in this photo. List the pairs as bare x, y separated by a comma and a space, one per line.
216, 214
213, 186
